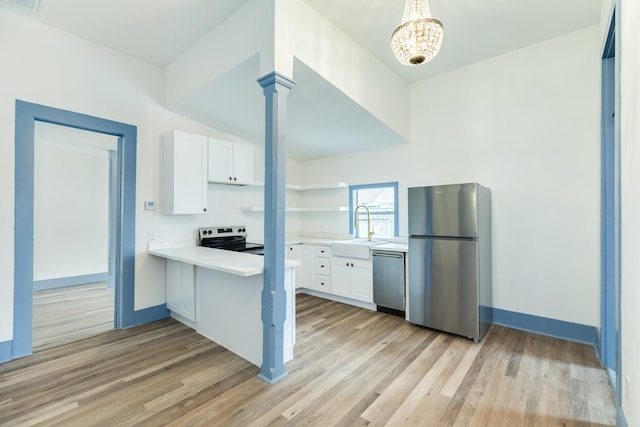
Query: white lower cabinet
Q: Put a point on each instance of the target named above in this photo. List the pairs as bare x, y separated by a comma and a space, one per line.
345, 277
305, 275
181, 289
352, 278
304, 272
322, 268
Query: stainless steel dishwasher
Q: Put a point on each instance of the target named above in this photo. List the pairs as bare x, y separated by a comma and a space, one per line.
389, 281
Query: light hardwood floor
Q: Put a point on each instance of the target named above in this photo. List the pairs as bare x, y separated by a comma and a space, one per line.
352, 367
72, 313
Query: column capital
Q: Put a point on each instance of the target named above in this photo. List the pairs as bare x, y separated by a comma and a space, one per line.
274, 77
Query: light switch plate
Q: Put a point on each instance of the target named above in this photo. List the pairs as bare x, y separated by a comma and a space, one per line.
149, 205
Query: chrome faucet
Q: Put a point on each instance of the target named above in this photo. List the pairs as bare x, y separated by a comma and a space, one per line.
355, 221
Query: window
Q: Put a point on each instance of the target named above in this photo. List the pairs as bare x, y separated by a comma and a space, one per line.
382, 202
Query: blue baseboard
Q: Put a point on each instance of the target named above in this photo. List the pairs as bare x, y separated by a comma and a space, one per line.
61, 282
5, 351
151, 314
545, 326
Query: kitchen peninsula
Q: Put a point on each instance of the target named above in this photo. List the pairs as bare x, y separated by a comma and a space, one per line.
218, 293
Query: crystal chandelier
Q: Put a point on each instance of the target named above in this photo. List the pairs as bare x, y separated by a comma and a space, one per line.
419, 37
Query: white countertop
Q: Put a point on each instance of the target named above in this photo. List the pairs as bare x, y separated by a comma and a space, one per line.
397, 247
237, 263
391, 246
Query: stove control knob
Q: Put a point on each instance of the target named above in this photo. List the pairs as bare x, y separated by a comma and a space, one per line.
209, 232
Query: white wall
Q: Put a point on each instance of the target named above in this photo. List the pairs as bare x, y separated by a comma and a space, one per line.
630, 155
302, 32
249, 30
71, 209
525, 124
57, 69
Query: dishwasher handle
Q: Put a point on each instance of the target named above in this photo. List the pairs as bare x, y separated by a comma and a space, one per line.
387, 254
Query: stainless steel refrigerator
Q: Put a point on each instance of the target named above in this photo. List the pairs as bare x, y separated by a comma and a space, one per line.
449, 258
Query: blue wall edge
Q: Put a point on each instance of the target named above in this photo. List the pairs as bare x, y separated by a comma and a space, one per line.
545, 326
151, 314
5, 351
61, 282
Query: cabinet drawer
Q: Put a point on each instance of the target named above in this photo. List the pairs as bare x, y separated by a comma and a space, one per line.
323, 266
323, 283
323, 251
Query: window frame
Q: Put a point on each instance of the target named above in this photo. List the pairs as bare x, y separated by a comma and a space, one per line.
352, 206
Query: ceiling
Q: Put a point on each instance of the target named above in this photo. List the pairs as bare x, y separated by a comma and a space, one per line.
322, 120
473, 29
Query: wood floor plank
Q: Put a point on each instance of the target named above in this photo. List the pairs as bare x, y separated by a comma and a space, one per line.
396, 393
455, 407
430, 385
352, 367
71, 313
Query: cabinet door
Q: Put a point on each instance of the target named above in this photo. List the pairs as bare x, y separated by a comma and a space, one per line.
188, 294
174, 285
307, 269
181, 289
242, 164
340, 276
220, 163
185, 173
362, 281
293, 252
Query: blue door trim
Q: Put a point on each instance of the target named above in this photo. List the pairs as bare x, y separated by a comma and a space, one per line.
616, 22
608, 212
611, 227
26, 116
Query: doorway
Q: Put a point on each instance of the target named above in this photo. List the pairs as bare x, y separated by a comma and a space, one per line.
73, 212
27, 114
610, 214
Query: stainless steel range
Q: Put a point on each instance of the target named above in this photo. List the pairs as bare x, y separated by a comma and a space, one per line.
229, 238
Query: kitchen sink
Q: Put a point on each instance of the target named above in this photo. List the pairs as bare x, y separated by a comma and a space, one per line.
356, 248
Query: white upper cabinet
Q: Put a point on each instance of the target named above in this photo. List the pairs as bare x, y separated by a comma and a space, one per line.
230, 162
184, 160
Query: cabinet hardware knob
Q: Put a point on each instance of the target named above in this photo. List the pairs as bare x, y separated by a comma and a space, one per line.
347, 264
235, 179
205, 209
351, 264
230, 178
